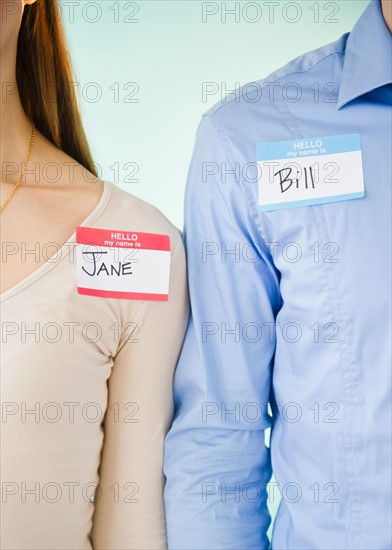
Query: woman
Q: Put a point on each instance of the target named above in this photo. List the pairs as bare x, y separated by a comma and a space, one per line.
90, 339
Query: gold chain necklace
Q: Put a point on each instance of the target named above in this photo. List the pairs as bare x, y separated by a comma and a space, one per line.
4, 204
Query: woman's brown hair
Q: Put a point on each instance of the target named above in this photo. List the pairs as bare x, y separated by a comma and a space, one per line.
45, 81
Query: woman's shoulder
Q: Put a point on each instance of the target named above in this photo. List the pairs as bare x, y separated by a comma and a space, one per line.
126, 212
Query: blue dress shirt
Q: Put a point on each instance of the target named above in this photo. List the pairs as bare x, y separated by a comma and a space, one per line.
293, 308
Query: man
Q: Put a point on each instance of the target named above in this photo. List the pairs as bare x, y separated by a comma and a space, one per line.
288, 232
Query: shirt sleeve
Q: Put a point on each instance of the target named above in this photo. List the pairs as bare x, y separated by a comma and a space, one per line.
216, 462
129, 508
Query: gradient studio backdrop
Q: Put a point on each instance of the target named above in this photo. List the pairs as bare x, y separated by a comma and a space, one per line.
142, 70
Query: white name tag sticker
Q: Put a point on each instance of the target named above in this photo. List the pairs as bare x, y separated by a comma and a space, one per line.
122, 264
309, 171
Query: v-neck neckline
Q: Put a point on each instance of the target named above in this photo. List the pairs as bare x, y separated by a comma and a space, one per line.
63, 250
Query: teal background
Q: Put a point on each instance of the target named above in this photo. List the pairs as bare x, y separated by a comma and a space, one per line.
168, 51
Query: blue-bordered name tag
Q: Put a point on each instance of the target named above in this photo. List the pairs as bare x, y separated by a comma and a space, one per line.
309, 171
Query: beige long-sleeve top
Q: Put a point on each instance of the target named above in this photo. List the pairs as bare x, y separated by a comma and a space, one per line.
86, 390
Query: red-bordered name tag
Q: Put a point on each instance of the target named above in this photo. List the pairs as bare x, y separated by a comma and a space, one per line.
122, 264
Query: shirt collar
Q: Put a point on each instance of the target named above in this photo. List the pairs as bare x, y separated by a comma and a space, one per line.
368, 57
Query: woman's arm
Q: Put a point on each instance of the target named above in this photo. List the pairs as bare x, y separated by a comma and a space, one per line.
129, 512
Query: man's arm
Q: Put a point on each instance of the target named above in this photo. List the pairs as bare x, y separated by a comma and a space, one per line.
216, 461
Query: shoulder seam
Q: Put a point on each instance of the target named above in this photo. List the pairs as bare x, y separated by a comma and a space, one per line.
228, 150
223, 103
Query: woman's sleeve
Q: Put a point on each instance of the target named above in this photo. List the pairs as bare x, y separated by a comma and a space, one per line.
216, 462
129, 509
